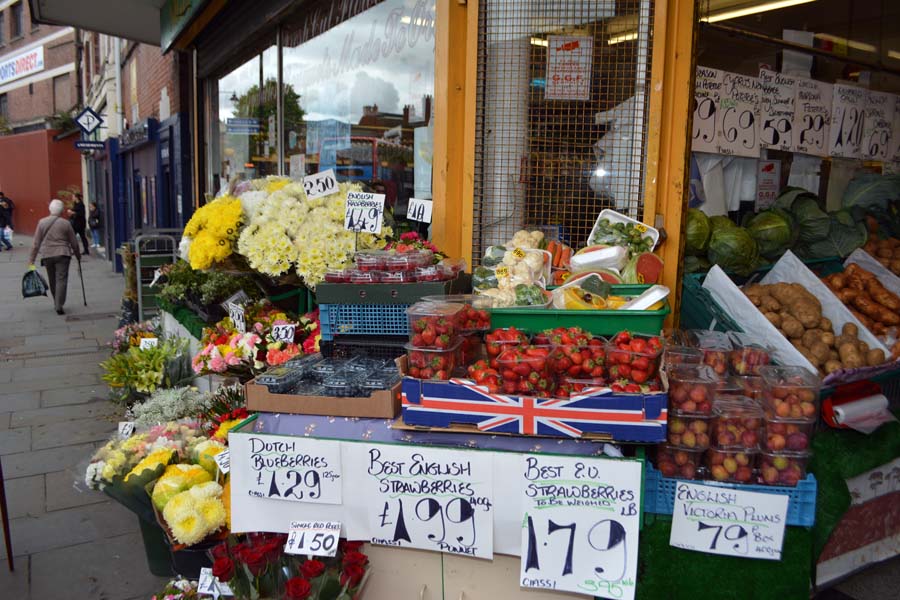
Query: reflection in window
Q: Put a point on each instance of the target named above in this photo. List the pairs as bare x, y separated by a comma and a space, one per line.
358, 98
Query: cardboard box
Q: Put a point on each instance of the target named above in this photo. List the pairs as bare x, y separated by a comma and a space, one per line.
382, 404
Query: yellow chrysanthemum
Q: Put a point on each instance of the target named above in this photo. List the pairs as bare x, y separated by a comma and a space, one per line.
161, 456
204, 455
189, 530
176, 479
225, 427
212, 512
226, 502
210, 489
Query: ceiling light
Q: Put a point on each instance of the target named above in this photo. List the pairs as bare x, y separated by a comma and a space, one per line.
539, 42
861, 46
624, 37
752, 10
894, 54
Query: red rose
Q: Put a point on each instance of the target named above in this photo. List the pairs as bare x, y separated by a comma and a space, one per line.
220, 551
272, 549
256, 560
297, 588
355, 558
312, 568
348, 546
223, 568
352, 575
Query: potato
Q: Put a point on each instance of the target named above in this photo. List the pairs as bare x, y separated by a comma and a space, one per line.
850, 356
820, 351
799, 346
825, 325
810, 337
828, 339
862, 347
756, 300
833, 355
806, 313
792, 327
769, 304
833, 365
812, 358
774, 319
875, 357
850, 329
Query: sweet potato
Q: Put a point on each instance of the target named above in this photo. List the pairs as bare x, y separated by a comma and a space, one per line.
882, 295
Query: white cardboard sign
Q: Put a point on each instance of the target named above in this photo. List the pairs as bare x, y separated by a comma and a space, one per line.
290, 468
812, 116
707, 94
284, 333
768, 183
733, 522
316, 538
569, 61
776, 110
236, 313
580, 525
126, 428
736, 133
847, 114
429, 498
894, 154
323, 183
364, 212
877, 136
419, 210
223, 460
151, 342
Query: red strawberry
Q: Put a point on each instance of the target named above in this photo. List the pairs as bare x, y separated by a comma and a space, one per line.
639, 376
632, 388
638, 345
641, 362
442, 341
428, 335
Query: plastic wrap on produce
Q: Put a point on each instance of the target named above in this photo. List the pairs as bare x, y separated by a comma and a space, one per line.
865, 260
730, 297
790, 269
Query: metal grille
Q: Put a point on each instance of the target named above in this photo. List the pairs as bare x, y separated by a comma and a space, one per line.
551, 152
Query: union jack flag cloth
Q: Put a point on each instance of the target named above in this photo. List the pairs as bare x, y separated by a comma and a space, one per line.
625, 417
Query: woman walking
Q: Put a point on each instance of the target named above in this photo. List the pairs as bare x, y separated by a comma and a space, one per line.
79, 221
95, 223
55, 241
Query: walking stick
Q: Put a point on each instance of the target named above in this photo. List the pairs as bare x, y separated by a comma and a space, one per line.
80, 275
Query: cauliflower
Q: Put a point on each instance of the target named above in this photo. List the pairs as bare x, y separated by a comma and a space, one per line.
504, 297
526, 239
535, 262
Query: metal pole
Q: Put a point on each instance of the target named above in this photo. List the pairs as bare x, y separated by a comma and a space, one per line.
81, 276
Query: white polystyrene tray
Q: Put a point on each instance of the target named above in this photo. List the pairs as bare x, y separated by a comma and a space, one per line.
867, 262
614, 257
617, 217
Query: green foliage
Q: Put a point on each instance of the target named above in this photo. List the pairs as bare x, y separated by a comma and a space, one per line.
264, 105
204, 287
136, 373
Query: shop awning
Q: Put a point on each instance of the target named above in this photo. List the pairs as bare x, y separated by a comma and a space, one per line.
136, 20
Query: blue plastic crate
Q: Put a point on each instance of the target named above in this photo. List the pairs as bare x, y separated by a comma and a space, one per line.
363, 319
659, 495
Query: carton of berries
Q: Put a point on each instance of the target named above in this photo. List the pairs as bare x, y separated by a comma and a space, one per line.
434, 324
633, 358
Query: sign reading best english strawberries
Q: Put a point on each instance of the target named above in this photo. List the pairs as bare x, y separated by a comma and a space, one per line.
21, 65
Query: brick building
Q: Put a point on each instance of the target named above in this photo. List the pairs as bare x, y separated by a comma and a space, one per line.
38, 89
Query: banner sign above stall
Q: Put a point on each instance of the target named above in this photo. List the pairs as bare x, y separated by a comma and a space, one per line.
812, 117
431, 499
728, 521
847, 114
569, 61
293, 468
580, 525
776, 110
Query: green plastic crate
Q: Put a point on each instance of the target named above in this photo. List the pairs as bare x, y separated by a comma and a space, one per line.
699, 309
598, 322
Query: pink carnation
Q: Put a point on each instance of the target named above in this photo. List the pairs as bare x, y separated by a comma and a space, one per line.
217, 364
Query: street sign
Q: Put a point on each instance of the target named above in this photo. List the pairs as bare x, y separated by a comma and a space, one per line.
89, 145
88, 120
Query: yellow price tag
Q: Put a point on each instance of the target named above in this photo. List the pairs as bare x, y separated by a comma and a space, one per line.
641, 227
503, 271
519, 253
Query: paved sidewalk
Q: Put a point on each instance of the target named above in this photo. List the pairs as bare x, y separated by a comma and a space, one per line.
68, 542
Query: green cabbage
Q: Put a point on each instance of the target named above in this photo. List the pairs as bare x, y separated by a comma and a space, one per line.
733, 249
720, 222
773, 231
870, 191
812, 221
789, 195
697, 231
844, 236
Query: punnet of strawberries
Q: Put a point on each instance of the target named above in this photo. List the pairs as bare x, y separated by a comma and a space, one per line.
525, 370
498, 340
565, 336
482, 374
632, 362
434, 325
431, 363
474, 319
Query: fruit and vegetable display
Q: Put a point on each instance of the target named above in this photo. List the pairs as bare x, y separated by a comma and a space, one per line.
886, 251
633, 236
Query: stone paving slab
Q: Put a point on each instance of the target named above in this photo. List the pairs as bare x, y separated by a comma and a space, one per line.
92, 409
72, 395
46, 461
15, 585
25, 497
69, 433
66, 489
62, 369
13, 441
20, 400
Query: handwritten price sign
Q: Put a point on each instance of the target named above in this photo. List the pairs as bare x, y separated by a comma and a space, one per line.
126, 428
236, 313
419, 210
147, 343
364, 212
318, 538
294, 469
580, 527
727, 521
284, 333
323, 183
812, 115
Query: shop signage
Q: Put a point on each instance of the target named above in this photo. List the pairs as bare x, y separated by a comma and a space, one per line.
323, 183
812, 117
877, 123
580, 525
89, 145
569, 60
737, 112
430, 499
776, 110
88, 121
316, 538
419, 210
241, 126
364, 212
293, 468
174, 17
733, 522
768, 183
847, 114
137, 135
20, 65
707, 94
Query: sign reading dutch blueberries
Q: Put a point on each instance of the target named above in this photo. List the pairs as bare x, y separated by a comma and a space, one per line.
431, 499
580, 525
295, 469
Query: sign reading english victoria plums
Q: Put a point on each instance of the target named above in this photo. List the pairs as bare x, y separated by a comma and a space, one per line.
580, 525
733, 522
432, 499
293, 468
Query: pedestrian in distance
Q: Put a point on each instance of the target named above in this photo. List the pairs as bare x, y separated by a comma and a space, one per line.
55, 241
79, 221
12, 208
6, 224
95, 223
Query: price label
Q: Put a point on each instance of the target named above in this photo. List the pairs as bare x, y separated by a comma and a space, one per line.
707, 93
580, 525
519, 253
502, 271
728, 521
209, 585
147, 343
776, 112
236, 313
419, 210
223, 460
293, 469
318, 538
323, 183
847, 115
876, 141
364, 212
126, 428
738, 107
284, 333
812, 115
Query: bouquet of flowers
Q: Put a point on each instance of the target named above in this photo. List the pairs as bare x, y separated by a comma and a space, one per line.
225, 422
196, 513
178, 589
134, 374
236, 354
410, 241
169, 405
210, 234
130, 336
255, 566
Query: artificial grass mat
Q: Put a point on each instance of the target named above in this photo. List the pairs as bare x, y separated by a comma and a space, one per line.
667, 573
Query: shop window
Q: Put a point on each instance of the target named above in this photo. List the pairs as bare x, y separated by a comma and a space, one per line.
561, 99
243, 124
358, 97
62, 94
16, 28
4, 107
2, 28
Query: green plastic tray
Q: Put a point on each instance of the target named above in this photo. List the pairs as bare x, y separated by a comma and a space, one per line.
598, 322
